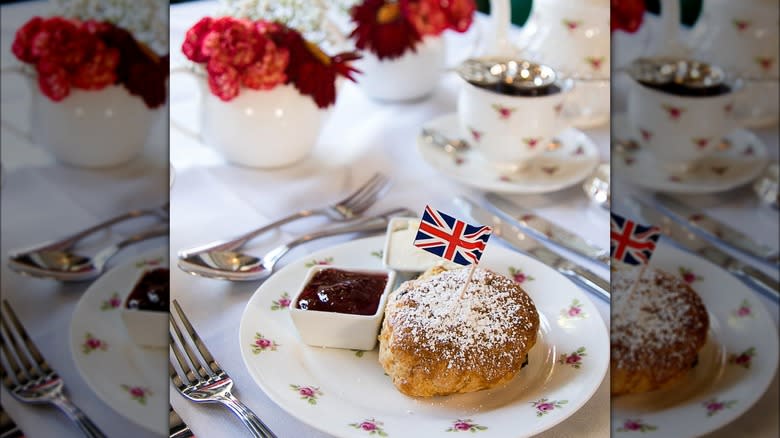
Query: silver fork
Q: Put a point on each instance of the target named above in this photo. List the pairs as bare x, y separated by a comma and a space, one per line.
346, 209
205, 381
35, 382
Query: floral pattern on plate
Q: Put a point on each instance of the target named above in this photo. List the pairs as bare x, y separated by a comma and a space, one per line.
378, 254
466, 425
743, 359
137, 393
262, 344
308, 393
636, 425
371, 425
519, 276
282, 303
111, 303
321, 262
743, 311
157, 261
504, 112
544, 406
713, 406
91, 343
688, 275
573, 359
574, 311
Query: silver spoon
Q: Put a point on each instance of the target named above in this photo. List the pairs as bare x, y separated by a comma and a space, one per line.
63, 265
236, 266
596, 186
450, 145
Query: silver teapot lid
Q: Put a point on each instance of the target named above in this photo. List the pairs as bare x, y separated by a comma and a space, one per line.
684, 72
516, 73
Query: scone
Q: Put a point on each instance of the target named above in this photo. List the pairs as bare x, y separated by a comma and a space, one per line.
657, 330
433, 342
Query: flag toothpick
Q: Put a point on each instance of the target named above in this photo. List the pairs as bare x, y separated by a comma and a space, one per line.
632, 244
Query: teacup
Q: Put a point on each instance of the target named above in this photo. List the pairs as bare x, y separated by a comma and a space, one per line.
511, 125
680, 127
91, 129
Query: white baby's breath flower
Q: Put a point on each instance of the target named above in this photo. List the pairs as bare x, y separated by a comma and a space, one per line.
320, 21
147, 20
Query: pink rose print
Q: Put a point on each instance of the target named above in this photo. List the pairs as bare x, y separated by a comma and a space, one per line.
459, 161
282, 303
574, 311
466, 425
674, 112
701, 142
636, 425
371, 425
741, 25
92, 343
549, 170
308, 393
646, 135
503, 112
744, 310
571, 25
149, 262
713, 406
579, 151
629, 161
765, 62
532, 142
544, 406
674, 178
262, 344
749, 151
743, 359
719, 170
137, 393
505, 178
595, 62
728, 108
518, 275
688, 275
476, 135
111, 303
558, 108
321, 262
573, 359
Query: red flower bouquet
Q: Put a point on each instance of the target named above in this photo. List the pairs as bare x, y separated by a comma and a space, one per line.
90, 55
261, 55
388, 28
627, 15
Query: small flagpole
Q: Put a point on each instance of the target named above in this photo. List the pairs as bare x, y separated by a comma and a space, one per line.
638, 279
468, 280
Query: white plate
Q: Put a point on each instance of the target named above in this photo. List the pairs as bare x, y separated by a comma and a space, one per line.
129, 379
337, 391
724, 170
554, 170
721, 387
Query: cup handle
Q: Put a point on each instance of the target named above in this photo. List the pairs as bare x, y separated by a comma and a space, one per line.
193, 134
13, 128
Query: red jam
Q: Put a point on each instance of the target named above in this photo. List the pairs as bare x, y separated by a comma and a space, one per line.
151, 292
334, 290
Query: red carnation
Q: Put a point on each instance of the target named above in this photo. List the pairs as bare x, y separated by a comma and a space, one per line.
22, 45
62, 41
269, 69
231, 41
460, 13
99, 70
53, 80
193, 40
427, 16
627, 15
381, 28
223, 79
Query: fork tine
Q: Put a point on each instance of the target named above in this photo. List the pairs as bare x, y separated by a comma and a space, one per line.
367, 200
26, 367
15, 370
36, 355
196, 363
370, 191
362, 188
175, 377
189, 376
196, 340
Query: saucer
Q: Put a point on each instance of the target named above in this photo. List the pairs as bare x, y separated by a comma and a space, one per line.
571, 162
740, 164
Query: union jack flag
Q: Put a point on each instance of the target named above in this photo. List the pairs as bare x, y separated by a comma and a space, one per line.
450, 238
630, 242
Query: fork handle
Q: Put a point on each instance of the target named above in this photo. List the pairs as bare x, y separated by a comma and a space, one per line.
250, 420
76, 415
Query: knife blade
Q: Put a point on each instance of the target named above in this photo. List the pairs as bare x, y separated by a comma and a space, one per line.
522, 241
694, 243
718, 230
8, 429
544, 229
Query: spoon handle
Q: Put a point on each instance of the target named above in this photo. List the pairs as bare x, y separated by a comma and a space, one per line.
71, 240
106, 253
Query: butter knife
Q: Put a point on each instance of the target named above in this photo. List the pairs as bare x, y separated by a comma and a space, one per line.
544, 229
525, 243
718, 230
694, 243
178, 428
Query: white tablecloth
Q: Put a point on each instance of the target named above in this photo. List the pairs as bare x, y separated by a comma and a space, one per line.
212, 200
